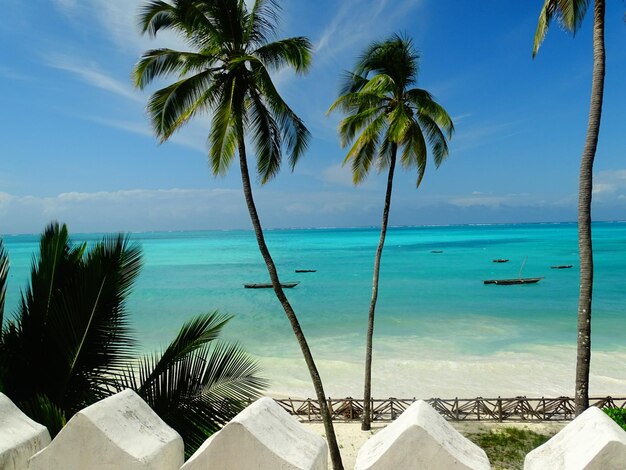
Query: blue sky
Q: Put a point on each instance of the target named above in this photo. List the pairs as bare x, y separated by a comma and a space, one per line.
76, 144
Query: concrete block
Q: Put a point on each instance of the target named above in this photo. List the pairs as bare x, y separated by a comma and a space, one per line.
20, 436
263, 436
120, 431
420, 439
592, 441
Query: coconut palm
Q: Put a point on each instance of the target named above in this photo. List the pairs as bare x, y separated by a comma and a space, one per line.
570, 14
385, 115
69, 345
227, 74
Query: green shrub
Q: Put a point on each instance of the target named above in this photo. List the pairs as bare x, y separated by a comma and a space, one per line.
618, 415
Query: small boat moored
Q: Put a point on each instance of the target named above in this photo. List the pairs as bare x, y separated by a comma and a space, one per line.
561, 266
500, 260
508, 282
436, 251
306, 270
268, 285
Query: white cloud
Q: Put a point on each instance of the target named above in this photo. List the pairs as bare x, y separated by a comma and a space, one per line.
178, 209
608, 182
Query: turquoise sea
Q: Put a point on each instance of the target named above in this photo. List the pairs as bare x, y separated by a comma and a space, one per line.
439, 330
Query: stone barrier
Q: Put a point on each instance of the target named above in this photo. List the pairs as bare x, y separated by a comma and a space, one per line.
118, 432
264, 437
591, 441
20, 436
122, 431
420, 439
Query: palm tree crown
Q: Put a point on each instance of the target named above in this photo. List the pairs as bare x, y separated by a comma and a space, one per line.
227, 74
388, 114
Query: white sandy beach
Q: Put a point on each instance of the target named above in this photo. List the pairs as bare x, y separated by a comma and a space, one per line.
416, 371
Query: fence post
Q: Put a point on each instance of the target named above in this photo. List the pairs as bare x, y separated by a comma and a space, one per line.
499, 409
456, 406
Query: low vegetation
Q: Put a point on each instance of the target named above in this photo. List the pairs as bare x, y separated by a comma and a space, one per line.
618, 415
507, 447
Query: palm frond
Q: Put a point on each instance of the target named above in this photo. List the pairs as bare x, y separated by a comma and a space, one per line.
193, 335
292, 130
42, 410
351, 83
352, 124
294, 52
364, 149
170, 107
198, 384
261, 22
435, 138
414, 151
224, 136
394, 56
427, 105
569, 13
157, 63
182, 16
267, 139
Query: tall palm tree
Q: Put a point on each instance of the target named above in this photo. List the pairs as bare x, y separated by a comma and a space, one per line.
69, 345
385, 115
570, 14
227, 75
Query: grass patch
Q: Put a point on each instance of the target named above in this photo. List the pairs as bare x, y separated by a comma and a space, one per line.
507, 447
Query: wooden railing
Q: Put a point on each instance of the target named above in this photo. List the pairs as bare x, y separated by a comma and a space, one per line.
456, 409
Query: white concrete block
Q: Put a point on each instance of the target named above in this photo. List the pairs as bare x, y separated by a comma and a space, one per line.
420, 439
119, 432
20, 436
592, 441
263, 436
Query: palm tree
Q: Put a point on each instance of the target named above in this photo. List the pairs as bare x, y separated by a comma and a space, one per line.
570, 14
227, 75
385, 115
69, 345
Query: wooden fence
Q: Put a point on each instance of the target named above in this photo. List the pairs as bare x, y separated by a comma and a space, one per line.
456, 409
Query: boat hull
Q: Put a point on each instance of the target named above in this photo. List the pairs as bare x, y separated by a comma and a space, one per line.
284, 285
509, 282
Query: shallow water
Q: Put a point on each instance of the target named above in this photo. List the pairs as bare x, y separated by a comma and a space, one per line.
439, 330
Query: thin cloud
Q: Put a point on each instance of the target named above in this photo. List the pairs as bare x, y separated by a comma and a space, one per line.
609, 182
346, 29
93, 76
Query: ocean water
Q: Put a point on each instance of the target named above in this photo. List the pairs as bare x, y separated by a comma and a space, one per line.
439, 330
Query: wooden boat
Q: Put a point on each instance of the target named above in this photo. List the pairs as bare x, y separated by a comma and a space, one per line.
518, 280
500, 260
436, 251
508, 282
268, 285
561, 266
306, 270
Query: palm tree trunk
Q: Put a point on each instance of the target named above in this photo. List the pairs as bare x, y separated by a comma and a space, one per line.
583, 356
367, 392
335, 456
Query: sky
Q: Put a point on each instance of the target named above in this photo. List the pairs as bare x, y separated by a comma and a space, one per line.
77, 146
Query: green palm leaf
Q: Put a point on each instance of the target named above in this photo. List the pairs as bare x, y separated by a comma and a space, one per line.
197, 384
569, 13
